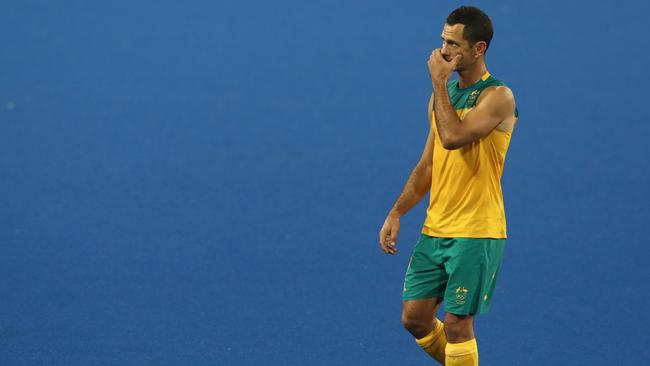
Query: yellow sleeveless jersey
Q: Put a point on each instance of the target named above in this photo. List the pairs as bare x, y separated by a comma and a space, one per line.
466, 198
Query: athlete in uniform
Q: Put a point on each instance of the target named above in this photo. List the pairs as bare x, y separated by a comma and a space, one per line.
458, 256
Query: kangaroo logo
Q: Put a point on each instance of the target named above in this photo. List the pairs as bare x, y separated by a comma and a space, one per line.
461, 295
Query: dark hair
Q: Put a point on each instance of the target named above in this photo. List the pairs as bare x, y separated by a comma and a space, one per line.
478, 26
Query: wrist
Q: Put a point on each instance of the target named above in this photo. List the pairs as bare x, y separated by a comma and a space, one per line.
394, 214
439, 83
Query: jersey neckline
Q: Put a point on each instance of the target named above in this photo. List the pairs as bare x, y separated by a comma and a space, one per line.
476, 83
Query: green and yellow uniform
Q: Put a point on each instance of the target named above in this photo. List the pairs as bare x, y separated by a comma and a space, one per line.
459, 253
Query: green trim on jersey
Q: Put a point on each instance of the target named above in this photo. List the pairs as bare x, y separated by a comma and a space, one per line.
465, 98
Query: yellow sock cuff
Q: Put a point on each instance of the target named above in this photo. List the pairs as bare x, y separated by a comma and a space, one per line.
461, 349
432, 337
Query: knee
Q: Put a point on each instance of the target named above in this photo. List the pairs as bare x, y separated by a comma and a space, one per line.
459, 328
415, 324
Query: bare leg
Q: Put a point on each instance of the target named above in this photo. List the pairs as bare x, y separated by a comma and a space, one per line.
459, 328
418, 315
461, 348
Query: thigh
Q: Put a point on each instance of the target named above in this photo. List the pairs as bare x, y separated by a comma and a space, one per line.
425, 277
472, 267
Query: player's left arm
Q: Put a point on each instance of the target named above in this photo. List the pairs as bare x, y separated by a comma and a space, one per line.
494, 106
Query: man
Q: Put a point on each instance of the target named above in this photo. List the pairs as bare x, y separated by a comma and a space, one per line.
458, 256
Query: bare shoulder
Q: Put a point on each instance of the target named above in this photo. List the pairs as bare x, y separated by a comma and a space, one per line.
497, 95
499, 101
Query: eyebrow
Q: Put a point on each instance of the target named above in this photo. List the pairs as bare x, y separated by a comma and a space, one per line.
448, 40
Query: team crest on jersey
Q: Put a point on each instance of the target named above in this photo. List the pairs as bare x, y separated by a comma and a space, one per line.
471, 99
461, 295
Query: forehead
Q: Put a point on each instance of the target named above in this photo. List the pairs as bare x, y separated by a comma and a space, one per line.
453, 32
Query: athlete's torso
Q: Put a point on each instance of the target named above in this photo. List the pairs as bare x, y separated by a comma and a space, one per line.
466, 198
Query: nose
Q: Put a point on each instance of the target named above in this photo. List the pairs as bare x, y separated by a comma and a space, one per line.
444, 50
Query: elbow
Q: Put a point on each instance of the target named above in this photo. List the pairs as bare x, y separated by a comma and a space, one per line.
451, 146
449, 143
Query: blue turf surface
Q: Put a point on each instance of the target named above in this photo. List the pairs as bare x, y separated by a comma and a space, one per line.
202, 182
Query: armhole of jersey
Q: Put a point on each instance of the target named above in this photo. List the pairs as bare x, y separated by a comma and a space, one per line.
430, 112
495, 84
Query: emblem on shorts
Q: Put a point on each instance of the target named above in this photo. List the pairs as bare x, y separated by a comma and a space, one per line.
461, 295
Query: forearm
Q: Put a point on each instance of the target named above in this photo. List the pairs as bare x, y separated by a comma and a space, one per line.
416, 187
447, 120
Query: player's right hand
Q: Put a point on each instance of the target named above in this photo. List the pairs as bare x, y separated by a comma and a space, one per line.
388, 234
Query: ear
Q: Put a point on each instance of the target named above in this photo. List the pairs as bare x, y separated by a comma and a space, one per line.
479, 48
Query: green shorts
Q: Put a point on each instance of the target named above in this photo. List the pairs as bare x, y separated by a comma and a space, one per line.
462, 271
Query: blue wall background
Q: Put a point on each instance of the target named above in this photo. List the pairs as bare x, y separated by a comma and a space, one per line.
202, 183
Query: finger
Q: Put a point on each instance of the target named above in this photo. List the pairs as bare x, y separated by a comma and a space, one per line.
393, 235
388, 250
456, 59
382, 236
386, 245
384, 241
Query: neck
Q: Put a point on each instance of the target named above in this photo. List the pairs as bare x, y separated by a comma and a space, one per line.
471, 75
